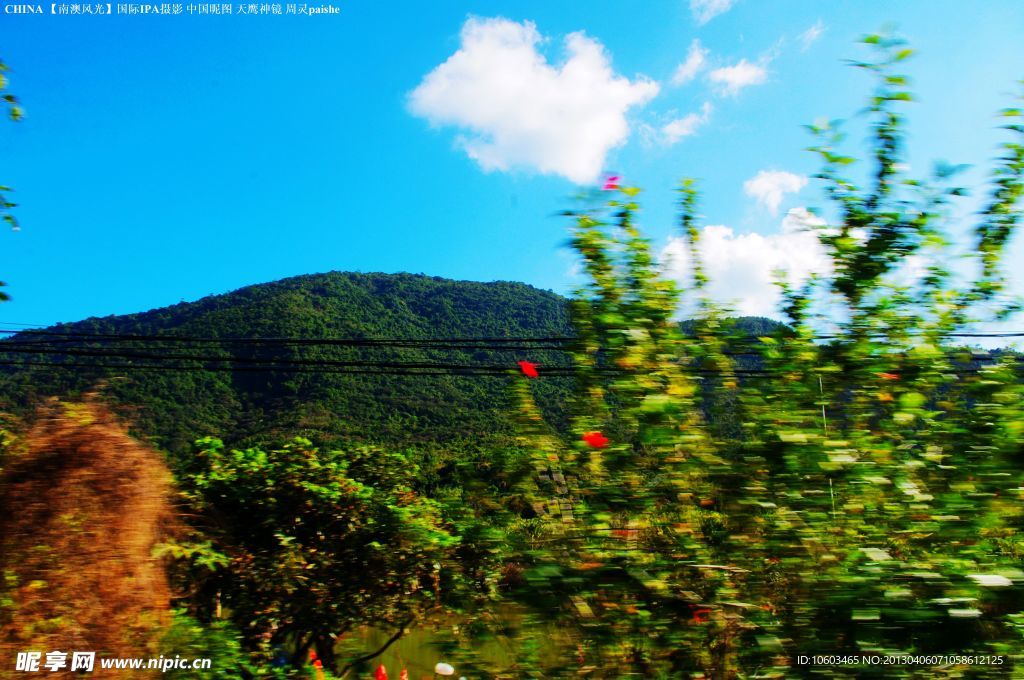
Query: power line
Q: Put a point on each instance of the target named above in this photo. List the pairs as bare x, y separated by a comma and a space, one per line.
272, 364
122, 354
452, 371
51, 338
91, 345
303, 343
365, 368
468, 343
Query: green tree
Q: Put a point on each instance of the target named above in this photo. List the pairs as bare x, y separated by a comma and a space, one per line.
306, 545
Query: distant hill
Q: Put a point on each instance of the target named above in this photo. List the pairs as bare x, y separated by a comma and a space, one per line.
174, 407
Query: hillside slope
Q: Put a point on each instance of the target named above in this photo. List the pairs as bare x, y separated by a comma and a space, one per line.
177, 406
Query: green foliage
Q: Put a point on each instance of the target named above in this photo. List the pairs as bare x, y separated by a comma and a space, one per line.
220, 642
307, 544
863, 497
15, 113
254, 408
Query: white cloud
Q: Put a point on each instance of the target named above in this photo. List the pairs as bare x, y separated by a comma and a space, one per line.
811, 35
696, 59
706, 10
517, 110
675, 130
729, 80
768, 187
801, 219
741, 267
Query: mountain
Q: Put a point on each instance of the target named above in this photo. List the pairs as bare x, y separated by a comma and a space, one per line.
241, 401
206, 379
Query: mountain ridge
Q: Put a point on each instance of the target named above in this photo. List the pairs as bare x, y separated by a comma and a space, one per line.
177, 408
228, 390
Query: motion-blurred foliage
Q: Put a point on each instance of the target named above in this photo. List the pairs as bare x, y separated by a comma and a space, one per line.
15, 113
860, 496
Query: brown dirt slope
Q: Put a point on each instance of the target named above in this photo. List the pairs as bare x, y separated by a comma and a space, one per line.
82, 506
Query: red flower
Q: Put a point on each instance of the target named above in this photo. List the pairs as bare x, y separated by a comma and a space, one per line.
611, 183
317, 664
381, 673
528, 368
889, 376
595, 440
701, 614
404, 675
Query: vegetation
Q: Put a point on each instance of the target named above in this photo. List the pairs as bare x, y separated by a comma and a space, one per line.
260, 407
14, 112
308, 545
867, 499
82, 507
267, 407
704, 502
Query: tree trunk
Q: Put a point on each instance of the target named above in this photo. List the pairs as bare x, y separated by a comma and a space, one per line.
324, 644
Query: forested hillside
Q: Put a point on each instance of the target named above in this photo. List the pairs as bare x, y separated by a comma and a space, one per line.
237, 394
248, 391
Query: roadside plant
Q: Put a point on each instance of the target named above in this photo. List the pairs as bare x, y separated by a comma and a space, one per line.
848, 484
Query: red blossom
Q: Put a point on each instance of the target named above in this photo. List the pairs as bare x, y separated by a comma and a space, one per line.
611, 183
528, 368
595, 440
701, 614
889, 376
381, 673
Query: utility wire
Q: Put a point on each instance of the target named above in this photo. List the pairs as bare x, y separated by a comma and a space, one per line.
473, 342
367, 368
356, 342
452, 371
122, 354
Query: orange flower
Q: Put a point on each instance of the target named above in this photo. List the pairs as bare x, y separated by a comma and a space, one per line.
889, 376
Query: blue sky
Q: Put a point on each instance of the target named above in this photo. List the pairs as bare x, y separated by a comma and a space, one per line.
165, 158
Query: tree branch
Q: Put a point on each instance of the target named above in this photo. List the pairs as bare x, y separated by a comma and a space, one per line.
392, 640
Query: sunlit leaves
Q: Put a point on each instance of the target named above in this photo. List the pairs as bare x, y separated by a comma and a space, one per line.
859, 493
